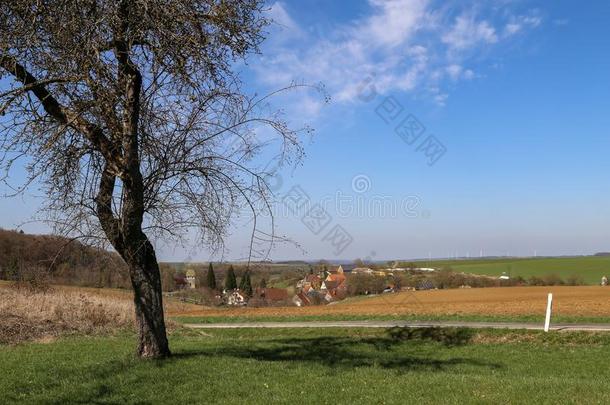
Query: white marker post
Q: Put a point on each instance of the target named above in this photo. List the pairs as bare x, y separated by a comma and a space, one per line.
549, 308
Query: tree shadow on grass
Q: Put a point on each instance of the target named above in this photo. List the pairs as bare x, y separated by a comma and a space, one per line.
400, 349
446, 336
390, 352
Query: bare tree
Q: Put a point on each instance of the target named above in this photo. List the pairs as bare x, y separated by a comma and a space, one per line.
131, 116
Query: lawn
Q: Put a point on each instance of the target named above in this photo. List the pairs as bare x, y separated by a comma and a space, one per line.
315, 366
591, 268
539, 319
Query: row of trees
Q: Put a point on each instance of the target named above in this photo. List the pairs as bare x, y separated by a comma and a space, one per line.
230, 281
53, 259
209, 280
359, 284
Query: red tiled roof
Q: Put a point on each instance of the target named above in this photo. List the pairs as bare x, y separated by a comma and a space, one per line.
276, 294
339, 278
304, 298
331, 285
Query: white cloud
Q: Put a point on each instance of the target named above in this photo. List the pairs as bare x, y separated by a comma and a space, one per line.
512, 28
393, 22
520, 23
441, 99
402, 45
454, 71
467, 33
457, 72
468, 74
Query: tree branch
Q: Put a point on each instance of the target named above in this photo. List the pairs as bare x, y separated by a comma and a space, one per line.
109, 223
60, 113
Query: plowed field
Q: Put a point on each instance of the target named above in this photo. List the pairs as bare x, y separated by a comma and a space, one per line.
587, 301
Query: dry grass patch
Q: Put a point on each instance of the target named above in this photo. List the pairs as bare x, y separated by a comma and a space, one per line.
29, 315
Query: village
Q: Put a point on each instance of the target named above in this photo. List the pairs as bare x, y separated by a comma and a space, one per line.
328, 284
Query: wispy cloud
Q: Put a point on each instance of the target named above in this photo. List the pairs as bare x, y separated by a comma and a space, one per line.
520, 23
407, 45
467, 33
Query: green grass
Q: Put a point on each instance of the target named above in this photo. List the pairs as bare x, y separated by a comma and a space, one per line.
590, 268
314, 366
334, 317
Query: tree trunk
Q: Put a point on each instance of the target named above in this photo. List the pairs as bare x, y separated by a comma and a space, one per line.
148, 299
136, 250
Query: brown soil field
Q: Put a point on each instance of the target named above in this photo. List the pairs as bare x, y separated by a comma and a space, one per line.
585, 301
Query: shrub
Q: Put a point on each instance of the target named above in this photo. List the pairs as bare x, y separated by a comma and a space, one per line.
535, 281
360, 284
575, 279
552, 279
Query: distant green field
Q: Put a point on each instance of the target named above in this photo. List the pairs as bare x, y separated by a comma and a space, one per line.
590, 268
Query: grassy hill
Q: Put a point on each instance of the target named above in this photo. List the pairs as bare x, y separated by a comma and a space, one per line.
590, 268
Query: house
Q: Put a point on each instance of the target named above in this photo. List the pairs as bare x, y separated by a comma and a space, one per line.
332, 270
301, 300
180, 282
338, 277
191, 278
314, 295
310, 281
348, 268
329, 285
314, 280
362, 270
274, 294
334, 287
235, 298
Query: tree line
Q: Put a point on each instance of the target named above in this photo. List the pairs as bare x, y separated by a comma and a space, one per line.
208, 278
54, 259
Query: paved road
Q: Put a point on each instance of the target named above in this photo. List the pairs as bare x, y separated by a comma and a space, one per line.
406, 324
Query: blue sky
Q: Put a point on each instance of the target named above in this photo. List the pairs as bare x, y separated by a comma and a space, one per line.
517, 92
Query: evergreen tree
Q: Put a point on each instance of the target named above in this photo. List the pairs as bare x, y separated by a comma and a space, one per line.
230, 280
211, 278
242, 282
246, 286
